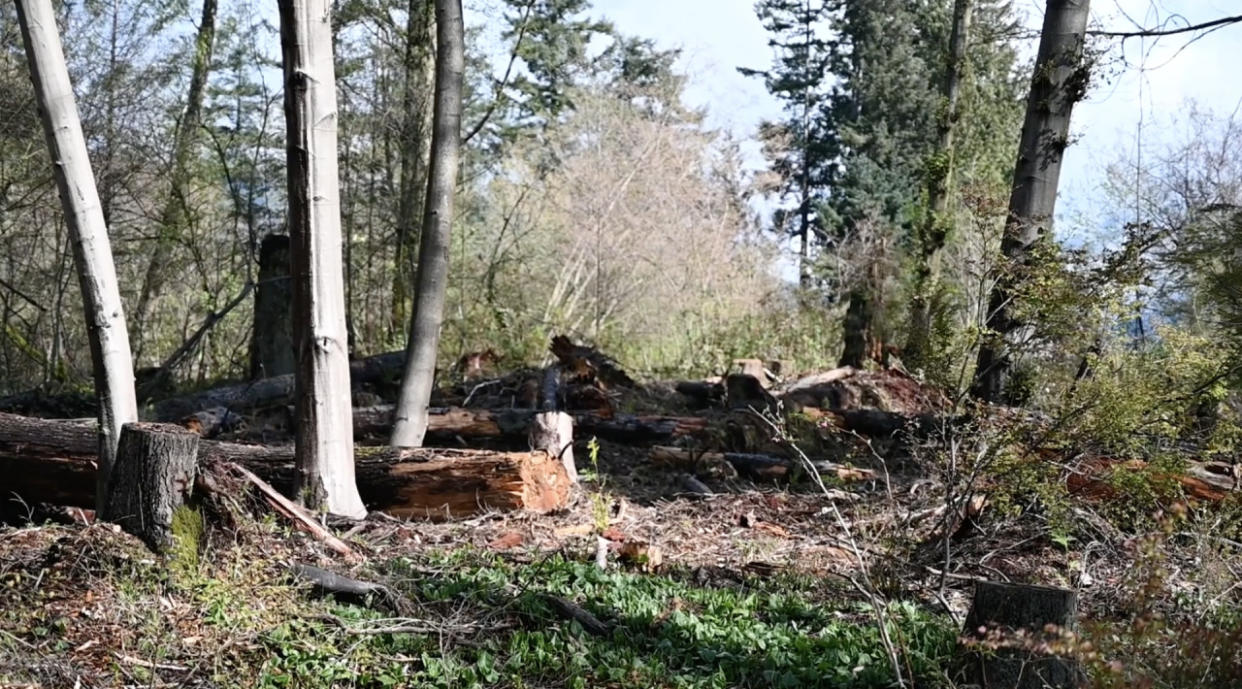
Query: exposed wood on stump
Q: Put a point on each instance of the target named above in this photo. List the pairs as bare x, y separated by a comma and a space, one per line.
54, 462
996, 659
271, 346
153, 476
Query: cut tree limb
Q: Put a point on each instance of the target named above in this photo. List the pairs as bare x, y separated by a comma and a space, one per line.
295, 513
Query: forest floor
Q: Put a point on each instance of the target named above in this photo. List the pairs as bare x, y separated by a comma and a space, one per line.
759, 584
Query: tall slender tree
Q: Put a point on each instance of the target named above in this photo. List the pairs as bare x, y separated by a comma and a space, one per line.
801, 150
934, 229
172, 218
101, 296
410, 424
324, 436
1059, 81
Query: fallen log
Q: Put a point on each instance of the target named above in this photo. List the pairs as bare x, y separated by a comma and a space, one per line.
270, 391
752, 465
515, 423
50, 461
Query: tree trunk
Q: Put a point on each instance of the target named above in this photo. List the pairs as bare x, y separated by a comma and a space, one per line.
92, 253
416, 118
174, 212
153, 476
938, 221
857, 330
324, 436
411, 416
999, 662
271, 344
552, 430
1059, 81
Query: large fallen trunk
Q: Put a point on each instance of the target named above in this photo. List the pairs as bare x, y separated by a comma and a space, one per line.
272, 391
54, 461
516, 423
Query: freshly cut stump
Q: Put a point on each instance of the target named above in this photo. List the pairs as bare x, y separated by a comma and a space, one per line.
996, 659
153, 476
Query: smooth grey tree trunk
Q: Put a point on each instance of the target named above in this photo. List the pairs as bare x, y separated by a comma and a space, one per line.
1060, 80
419, 66
174, 212
153, 476
938, 222
324, 439
271, 343
101, 296
410, 420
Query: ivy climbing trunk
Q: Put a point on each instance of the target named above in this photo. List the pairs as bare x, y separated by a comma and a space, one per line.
1060, 80
324, 479
938, 222
410, 419
101, 296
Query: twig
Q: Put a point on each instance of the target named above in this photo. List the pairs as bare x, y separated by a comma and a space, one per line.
296, 514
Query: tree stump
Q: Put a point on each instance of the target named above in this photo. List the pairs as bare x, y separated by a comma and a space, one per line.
996, 658
552, 430
745, 391
271, 345
153, 476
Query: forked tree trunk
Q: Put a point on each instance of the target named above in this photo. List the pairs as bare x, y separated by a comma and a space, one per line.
153, 476
938, 222
271, 343
1059, 81
410, 422
92, 253
324, 436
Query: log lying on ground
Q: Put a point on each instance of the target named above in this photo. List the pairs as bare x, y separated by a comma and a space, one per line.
54, 461
751, 465
516, 423
270, 391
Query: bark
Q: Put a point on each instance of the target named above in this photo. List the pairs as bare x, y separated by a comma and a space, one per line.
1059, 81
411, 417
174, 211
938, 222
419, 78
278, 390
271, 344
857, 330
54, 462
1003, 608
105, 320
153, 476
552, 430
324, 434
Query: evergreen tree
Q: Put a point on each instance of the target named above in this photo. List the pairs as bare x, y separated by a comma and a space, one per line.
800, 149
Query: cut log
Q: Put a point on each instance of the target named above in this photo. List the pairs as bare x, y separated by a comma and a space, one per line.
701, 393
997, 657
515, 423
153, 476
751, 465
274, 391
54, 462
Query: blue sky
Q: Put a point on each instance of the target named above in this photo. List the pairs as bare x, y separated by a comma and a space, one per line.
1143, 81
